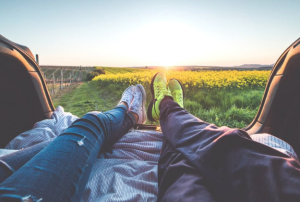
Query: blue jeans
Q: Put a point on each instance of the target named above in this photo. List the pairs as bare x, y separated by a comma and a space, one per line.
60, 171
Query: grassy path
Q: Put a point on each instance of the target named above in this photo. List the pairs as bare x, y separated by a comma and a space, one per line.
86, 97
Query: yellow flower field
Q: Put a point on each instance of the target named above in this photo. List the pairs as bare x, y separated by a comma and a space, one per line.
229, 98
194, 80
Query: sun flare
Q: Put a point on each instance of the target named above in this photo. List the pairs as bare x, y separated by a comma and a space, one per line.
167, 43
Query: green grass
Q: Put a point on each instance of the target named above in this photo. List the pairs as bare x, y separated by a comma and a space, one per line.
117, 70
231, 107
89, 97
235, 108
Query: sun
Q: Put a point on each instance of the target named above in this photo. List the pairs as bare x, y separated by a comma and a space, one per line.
167, 67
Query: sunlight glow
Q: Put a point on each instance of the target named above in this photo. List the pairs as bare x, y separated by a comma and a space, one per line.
167, 44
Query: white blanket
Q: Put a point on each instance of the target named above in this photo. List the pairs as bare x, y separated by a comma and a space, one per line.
129, 173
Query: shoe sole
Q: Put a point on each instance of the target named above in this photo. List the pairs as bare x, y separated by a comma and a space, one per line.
149, 110
142, 89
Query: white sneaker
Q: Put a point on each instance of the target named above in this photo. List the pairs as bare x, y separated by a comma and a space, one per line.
127, 96
138, 104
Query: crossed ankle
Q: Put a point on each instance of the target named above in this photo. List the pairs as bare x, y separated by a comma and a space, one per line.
136, 117
125, 104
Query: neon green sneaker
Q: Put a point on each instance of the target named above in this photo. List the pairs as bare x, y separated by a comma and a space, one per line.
159, 91
177, 91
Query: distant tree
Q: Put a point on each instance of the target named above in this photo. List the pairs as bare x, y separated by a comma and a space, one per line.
94, 73
100, 71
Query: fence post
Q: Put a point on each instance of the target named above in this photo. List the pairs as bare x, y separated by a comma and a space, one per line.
70, 79
37, 59
53, 84
80, 75
61, 79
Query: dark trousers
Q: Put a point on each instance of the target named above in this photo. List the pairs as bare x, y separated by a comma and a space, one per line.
58, 171
202, 162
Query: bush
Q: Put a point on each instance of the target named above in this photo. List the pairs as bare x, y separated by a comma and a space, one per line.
94, 73
99, 71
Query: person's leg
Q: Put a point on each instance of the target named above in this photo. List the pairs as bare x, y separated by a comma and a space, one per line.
235, 167
178, 180
10, 163
60, 171
230, 165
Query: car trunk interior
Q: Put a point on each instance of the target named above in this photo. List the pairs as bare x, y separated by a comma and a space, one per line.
280, 108
23, 97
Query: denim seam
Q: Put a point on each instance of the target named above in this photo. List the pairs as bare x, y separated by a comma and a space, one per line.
104, 125
109, 124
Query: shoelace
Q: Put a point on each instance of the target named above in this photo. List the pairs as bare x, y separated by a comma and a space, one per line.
159, 89
178, 96
136, 101
127, 97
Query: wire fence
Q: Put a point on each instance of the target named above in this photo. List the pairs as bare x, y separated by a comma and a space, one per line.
61, 77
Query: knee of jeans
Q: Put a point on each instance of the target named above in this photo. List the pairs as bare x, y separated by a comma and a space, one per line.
30, 198
94, 112
91, 116
95, 117
100, 121
98, 118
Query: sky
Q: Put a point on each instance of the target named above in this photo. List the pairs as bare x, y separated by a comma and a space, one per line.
127, 33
